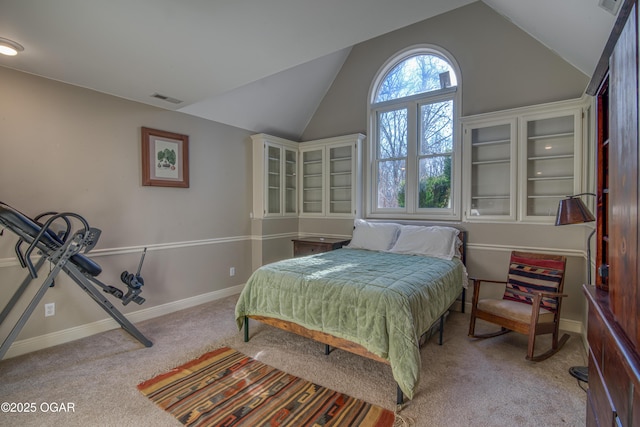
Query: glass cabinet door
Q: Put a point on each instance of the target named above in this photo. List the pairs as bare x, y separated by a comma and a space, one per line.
274, 184
281, 180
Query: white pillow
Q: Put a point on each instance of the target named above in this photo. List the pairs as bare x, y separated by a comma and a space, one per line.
435, 241
373, 236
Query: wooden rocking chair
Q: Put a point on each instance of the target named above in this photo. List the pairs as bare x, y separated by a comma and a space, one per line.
531, 301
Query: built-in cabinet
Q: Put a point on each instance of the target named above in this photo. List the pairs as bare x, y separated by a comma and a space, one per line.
330, 177
522, 161
314, 178
312, 166
343, 172
275, 177
551, 161
490, 152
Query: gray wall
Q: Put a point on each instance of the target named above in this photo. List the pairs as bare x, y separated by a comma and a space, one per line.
66, 148
502, 67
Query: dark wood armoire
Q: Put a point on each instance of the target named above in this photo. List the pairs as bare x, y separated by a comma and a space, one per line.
613, 332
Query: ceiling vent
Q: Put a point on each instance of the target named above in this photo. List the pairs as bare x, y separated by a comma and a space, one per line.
166, 98
610, 6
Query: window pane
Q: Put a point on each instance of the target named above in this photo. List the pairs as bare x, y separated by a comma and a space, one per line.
391, 183
417, 74
435, 182
437, 128
392, 134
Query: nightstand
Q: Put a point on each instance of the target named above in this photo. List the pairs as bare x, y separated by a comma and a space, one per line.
316, 245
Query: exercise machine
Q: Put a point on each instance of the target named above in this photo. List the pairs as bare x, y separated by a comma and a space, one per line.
65, 251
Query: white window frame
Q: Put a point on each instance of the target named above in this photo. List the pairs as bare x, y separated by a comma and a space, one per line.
413, 103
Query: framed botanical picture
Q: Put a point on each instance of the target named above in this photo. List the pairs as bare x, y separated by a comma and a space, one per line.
165, 158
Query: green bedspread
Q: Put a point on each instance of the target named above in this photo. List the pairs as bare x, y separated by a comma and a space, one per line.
382, 301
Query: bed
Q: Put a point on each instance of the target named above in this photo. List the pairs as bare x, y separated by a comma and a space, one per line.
376, 297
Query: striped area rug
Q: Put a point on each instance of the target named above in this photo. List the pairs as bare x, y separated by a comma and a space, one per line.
227, 388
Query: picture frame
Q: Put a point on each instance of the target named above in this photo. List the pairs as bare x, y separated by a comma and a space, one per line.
165, 158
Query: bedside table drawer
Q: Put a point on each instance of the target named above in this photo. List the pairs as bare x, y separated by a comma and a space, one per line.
316, 245
302, 248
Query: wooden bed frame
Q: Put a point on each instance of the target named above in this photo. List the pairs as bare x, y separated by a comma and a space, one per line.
332, 341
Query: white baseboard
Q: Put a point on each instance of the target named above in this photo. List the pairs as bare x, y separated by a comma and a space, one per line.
571, 326
60, 337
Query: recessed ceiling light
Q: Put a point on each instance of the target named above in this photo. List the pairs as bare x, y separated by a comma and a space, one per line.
9, 47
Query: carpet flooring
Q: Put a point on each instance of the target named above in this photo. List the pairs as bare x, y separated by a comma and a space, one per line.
464, 382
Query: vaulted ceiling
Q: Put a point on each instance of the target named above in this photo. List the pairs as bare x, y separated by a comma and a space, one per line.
262, 65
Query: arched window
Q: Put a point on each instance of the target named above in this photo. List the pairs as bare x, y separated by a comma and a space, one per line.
414, 149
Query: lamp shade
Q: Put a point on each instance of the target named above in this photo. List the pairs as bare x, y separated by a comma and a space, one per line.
572, 210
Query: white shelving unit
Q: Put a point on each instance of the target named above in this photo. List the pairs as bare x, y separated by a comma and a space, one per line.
519, 163
490, 184
312, 181
329, 178
290, 181
550, 162
313, 178
341, 173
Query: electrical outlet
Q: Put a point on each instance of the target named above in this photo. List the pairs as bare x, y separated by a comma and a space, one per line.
232, 271
49, 309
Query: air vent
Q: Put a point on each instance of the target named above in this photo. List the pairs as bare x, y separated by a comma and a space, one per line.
610, 6
166, 98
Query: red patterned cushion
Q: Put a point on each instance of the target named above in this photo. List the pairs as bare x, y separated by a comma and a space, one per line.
531, 274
